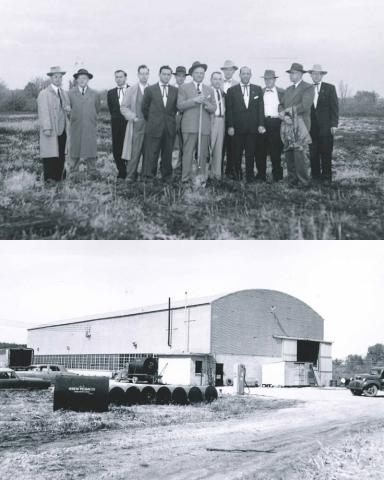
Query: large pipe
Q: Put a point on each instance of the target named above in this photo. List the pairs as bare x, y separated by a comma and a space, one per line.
132, 395
163, 396
179, 396
195, 395
148, 395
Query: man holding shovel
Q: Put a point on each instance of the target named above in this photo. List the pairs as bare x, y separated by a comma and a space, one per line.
197, 102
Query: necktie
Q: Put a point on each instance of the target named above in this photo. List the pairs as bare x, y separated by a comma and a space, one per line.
317, 87
164, 94
61, 101
198, 88
219, 102
83, 91
268, 90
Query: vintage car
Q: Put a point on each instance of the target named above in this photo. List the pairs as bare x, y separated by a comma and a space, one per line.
10, 379
367, 383
45, 371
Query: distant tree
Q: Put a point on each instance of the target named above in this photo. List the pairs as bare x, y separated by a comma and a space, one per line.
375, 354
34, 86
366, 99
12, 345
343, 91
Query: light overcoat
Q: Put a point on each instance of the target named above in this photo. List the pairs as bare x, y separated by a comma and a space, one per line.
128, 110
52, 116
191, 110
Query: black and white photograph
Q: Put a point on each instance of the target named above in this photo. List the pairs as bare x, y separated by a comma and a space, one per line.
191, 240
203, 120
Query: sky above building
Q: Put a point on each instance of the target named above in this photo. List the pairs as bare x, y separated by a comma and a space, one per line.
45, 281
344, 36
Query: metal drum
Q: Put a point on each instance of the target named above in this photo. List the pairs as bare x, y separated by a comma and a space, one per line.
81, 394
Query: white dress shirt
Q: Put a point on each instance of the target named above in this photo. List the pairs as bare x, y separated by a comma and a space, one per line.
245, 90
317, 91
56, 89
121, 92
83, 89
142, 87
226, 85
219, 102
200, 86
271, 102
298, 83
164, 92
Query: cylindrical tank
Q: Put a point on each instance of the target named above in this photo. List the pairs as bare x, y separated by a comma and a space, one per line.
81, 393
142, 366
163, 395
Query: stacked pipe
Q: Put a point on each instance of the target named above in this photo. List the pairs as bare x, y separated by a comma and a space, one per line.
130, 394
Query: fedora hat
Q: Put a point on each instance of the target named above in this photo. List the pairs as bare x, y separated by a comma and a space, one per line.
229, 64
317, 68
56, 70
197, 65
181, 71
269, 74
296, 67
83, 71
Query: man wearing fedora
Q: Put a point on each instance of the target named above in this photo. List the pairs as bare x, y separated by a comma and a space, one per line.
299, 95
229, 68
118, 122
53, 106
180, 76
159, 109
271, 141
197, 102
245, 123
131, 109
85, 105
324, 122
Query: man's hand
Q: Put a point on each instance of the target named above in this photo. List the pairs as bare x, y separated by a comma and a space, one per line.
136, 119
67, 108
261, 130
47, 133
199, 99
231, 131
333, 130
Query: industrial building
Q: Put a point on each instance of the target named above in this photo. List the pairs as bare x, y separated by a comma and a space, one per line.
198, 341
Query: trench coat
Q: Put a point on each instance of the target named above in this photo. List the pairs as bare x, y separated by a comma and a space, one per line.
52, 116
128, 110
83, 126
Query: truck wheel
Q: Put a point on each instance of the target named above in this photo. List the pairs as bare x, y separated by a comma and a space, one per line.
371, 391
357, 393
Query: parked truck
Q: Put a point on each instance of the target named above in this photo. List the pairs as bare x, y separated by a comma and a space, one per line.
367, 383
16, 358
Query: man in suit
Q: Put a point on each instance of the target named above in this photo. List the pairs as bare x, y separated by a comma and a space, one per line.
159, 110
217, 127
271, 141
196, 101
118, 122
85, 105
229, 68
324, 122
180, 76
245, 122
53, 106
131, 109
299, 95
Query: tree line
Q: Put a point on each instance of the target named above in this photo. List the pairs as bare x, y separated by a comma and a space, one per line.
363, 102
359, 364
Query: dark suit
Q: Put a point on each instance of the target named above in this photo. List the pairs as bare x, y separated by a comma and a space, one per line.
246, 122
119, 125
323, 118
160, 130
271, 141
300, 97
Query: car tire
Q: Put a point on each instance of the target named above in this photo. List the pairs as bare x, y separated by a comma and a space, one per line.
356, 393
371, 391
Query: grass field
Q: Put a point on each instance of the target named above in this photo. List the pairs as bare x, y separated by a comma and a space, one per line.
350, 208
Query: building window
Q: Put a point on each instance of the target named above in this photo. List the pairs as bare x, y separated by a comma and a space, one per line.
199, 367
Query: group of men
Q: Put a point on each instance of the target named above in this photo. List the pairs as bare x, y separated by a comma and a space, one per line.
211, 126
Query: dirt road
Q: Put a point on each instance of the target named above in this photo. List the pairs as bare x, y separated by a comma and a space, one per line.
262, 446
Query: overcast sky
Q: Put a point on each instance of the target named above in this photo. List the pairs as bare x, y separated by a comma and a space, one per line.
345, 36
48, 281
